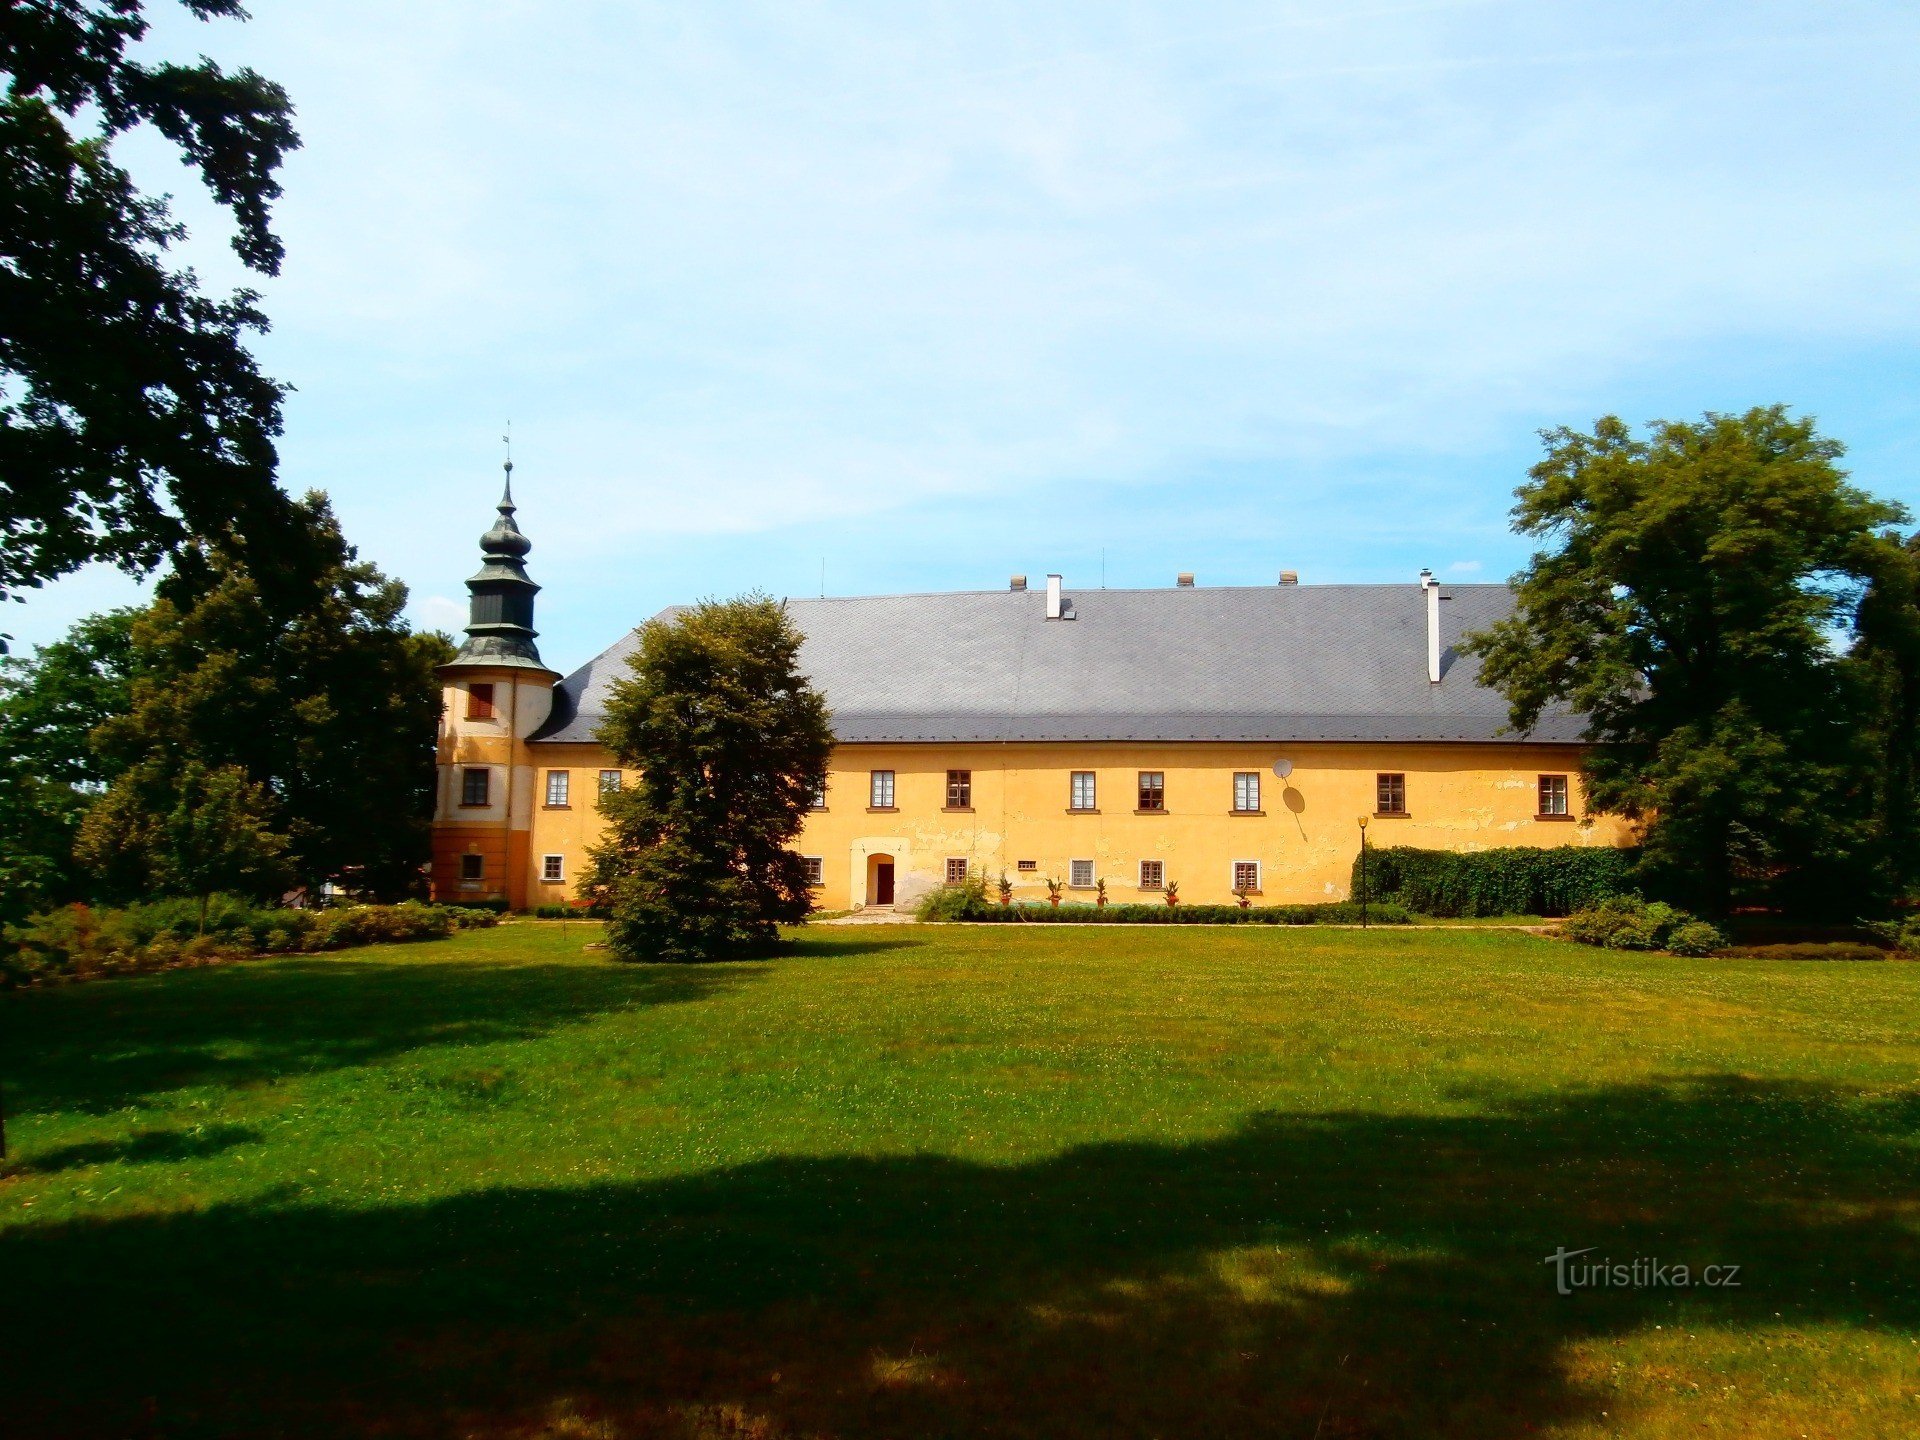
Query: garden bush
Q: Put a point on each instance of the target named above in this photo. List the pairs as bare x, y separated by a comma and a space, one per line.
1902, 934
1337, 913
1627, 922
1512, 880
78, 942
954, 902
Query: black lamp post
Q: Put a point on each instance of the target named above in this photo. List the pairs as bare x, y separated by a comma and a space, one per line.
1363, 872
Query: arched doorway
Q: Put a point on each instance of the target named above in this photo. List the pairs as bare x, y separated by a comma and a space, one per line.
880, 879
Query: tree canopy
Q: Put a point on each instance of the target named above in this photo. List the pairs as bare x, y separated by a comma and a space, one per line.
50, 705
732, 744
131, 414
1694, 601
316, 729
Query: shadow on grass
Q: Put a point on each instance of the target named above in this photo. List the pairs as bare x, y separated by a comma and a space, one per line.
100, 1047
1308, 1275
149, 1147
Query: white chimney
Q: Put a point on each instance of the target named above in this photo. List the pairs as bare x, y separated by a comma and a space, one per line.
1432, 587
1053, 597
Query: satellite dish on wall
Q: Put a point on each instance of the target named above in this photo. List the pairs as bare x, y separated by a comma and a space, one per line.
1283, 768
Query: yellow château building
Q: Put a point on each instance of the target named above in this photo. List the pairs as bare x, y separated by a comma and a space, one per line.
1221, 738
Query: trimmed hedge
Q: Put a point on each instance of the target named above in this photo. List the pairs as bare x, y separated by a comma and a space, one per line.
1338, 913
78, 942
1512, 880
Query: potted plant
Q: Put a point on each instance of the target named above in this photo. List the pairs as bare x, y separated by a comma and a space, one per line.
1173, 894
1242, 896
1006, 891
1100, 893
1053, 892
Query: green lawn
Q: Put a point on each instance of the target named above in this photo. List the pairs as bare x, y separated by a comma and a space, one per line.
941, 1181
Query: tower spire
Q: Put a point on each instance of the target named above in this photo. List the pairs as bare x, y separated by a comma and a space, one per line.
500, 605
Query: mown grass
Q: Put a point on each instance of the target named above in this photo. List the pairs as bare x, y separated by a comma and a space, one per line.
921, 1182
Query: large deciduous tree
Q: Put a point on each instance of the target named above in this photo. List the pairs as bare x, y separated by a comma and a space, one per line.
50, 705
1693, 601
131, 414
327, 718
732, 743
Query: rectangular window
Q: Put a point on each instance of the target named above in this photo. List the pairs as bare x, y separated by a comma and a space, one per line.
558, 782
1553, 794
480, 701
820, 796
882, 790
609, 782
473, 785
959, 789
472, 867
1027, 867
816, 869
1080, 874
956, 870
1081, 795
1153, 790
1246, 875
1392, 794
1153, 874
553, 867
1246, 790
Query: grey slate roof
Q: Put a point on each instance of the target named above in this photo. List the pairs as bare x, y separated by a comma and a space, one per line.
1286, 662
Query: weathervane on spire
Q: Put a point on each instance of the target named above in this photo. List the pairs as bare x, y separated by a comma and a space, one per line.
507, 440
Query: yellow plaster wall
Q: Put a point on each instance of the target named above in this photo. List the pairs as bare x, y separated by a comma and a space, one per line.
1459, 796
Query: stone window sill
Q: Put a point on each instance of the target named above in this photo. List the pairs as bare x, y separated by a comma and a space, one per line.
1557, 818
1393, 814
883, 809
1246, 812
956, 809
1084, 810
556, 807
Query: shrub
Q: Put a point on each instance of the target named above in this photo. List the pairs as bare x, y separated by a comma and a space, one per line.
954, 902
1627, 922
78, 942
1902, 934
1512, 880
1696, 937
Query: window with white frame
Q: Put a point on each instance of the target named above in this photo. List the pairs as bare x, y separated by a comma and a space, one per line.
1081, 793
1553, 794
1246, 876
609, 782
1153, 874
820, 796
558, 783
1080, 874
553, 868
1153, 790
882, 790
816, 869
956, 870
1246, 790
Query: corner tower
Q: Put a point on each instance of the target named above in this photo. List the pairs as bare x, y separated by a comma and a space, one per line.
495, 693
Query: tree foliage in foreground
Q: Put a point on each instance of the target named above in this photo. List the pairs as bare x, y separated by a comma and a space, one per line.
732, 743
50, 705
311, 736
131, 414
1693, 600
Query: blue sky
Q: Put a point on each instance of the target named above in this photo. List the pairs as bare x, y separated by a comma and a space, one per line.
932, 293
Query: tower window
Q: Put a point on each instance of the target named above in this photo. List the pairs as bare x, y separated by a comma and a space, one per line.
474, 785
480, 701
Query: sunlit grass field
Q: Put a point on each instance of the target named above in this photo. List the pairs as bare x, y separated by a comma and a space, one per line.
931, 1181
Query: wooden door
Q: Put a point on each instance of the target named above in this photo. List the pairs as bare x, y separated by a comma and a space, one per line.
883, 882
